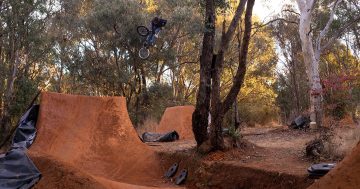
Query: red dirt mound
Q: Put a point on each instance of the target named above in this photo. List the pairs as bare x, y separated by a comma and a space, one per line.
58, 175
346, 175
177, 118
96, 136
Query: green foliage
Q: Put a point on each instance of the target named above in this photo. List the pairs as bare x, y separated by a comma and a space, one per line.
339, 111
291, 79
257, 96
158, 98
234, 133
221, 5
91, 48
229, 123
25, 92
340, 73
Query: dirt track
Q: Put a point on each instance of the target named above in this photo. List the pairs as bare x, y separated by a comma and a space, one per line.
93, 139
89, 142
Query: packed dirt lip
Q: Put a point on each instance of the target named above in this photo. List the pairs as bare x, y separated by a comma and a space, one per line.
94, 138
177, 118
346, 174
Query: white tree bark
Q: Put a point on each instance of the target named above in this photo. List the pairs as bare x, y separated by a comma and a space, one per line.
312, 54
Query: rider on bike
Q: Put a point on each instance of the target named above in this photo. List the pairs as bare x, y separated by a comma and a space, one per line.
156, 25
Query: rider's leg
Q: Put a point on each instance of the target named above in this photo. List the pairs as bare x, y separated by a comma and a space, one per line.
150, 39
157, 31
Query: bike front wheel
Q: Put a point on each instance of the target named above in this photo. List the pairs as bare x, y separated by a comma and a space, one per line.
144, 53
143, 31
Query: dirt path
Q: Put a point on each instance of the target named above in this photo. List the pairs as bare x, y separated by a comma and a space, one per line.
283, 149
252, 169
277, 150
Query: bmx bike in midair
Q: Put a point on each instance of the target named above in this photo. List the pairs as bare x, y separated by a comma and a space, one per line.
144, 51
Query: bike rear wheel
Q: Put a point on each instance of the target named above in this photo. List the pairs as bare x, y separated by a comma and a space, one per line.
144, 53
143, 31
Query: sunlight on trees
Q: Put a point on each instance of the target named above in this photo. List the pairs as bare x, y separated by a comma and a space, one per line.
91, 48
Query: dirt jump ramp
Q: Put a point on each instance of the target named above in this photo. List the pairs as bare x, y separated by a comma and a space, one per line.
89, 142
346, 174
177, 118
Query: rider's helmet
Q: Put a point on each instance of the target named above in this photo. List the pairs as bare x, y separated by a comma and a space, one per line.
156, 20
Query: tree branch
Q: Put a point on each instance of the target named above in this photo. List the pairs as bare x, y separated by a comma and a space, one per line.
233, 25
301, 5
327, 26
240, 74
272, 21
183, 63
291, 11
339, 33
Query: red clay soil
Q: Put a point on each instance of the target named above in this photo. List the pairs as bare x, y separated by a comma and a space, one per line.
230, 174
177, 118
58, 175
89, 142
346, 175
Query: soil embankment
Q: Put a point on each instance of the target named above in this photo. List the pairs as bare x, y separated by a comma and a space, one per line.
177, 118
90, 141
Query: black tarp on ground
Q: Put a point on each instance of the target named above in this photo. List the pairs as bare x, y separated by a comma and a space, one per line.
17, 171
157, 137
300, 122
319, 170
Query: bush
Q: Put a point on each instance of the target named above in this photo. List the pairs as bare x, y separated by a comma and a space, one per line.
153, 103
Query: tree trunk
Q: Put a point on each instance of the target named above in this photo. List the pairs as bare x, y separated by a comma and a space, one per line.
200, 115
295, 85
236, 115
217, 118
2, 82
311, 59
312, 56
211, 68
6, 117
219, 108
241, 71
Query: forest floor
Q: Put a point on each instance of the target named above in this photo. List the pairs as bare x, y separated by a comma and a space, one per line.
272, 158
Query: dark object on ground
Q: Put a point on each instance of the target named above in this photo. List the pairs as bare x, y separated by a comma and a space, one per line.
16, 168
172, 170
182, 177
158, 137
301, 122
225, 131
315, 148
318, 170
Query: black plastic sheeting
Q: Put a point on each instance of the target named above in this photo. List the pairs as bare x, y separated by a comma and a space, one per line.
26, 131
158, 137
17, 171
300, 122
318, 170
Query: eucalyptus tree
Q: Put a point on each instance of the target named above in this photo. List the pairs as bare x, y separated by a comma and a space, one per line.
315, 40
23, 49
292, 86
211, 68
